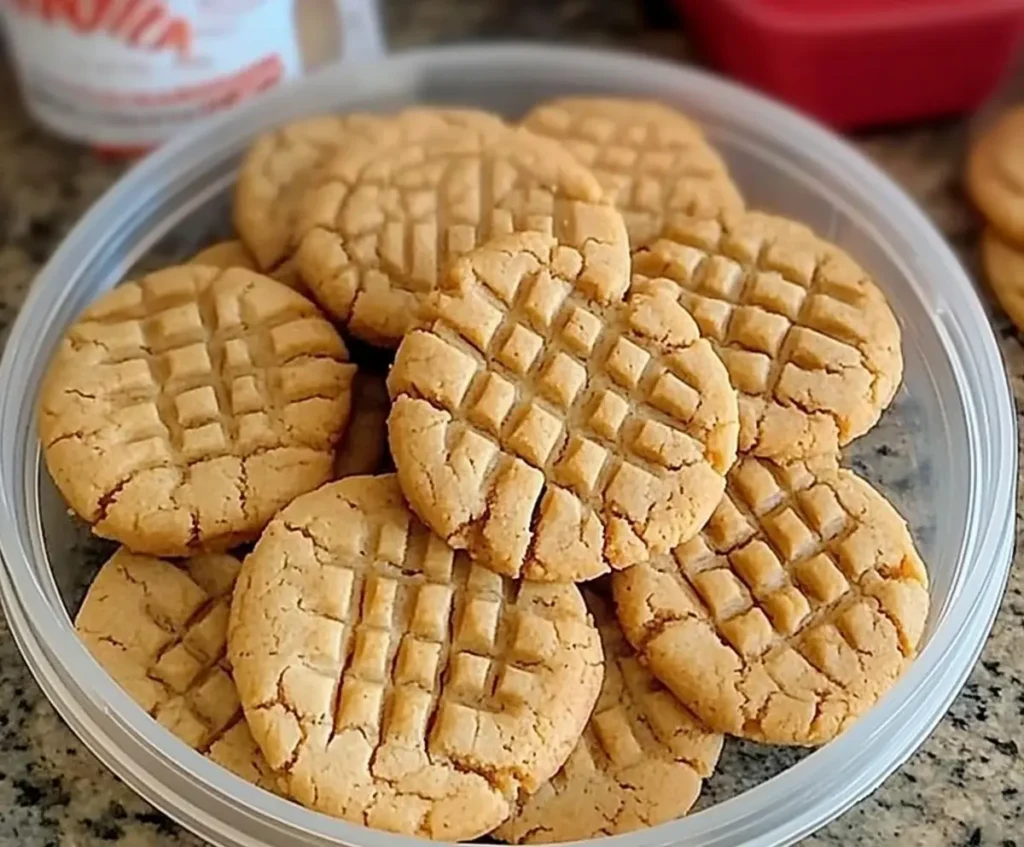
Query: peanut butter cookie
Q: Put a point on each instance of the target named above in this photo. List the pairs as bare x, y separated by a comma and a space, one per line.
386, 221
392, 683
809, 340
283, 165
798, 606
995, 174
181, 411
650, 159
640, 762
551, 430
160, 630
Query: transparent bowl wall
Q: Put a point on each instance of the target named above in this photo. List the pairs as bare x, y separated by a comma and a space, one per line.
945, 452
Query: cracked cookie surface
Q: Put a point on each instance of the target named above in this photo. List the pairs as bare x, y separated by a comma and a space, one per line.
810, 342
182, 410
391, 682
159, 629
364, 447
387, 219
283, 165
797, 607
640, 762
551, 429
995, 174
650, 159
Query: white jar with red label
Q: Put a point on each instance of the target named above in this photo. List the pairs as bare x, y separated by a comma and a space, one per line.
128, 74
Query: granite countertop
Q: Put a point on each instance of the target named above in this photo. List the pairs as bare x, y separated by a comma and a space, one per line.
964, 786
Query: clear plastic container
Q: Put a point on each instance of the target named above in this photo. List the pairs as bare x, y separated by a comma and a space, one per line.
945, 452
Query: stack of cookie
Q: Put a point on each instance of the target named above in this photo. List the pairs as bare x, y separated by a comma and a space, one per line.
995, 181
605, 370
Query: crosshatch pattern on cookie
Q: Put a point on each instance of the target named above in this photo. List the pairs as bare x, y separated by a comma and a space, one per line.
407, 659
803, 593
593, 407
417, 632
386, 222
640, 762
650, 159
186, 367
203, 373
160, 630
795, 321
283, 165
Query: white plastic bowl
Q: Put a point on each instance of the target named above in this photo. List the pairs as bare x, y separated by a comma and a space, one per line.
945, 452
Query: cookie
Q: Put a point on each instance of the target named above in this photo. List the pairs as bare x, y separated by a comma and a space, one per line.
995, 174
1004, 267
650, 159
159, 629
798, 606
641, 760
181, 411
282, 165
234, 254
808, 338
392, 683
552, 431
364, 448
224, 255
387, 220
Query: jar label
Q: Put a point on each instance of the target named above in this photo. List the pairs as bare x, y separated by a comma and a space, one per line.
131, 73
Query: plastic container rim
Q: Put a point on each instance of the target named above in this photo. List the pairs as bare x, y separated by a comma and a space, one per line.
778, 811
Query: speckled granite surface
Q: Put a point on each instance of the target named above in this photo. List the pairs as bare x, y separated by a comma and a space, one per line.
965, 786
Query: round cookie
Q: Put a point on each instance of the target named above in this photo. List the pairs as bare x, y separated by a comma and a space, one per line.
551, 435
387, 220
640, 762
995, 174
650, 159
391, 682
282, 166
364, 448
1004, 267
160, 629
798, 606
181, 411
810, 342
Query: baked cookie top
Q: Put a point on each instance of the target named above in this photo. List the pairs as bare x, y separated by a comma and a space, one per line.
808, 338
392, 683
641, 760
550, 429
650, 159
182, 410
995, 174
159, 628
388, 218
797, 607
282, 165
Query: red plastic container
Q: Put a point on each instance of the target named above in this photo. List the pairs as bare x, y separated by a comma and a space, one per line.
853, 63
